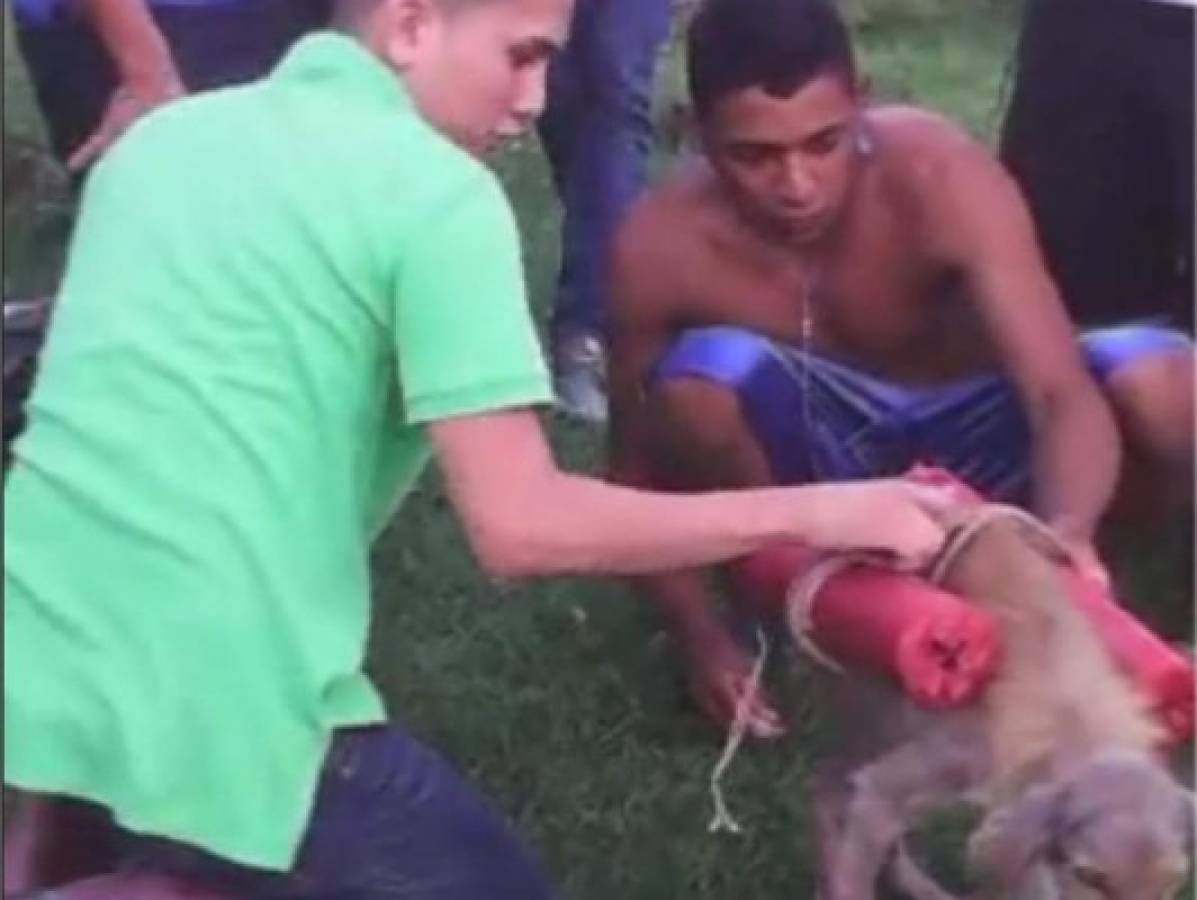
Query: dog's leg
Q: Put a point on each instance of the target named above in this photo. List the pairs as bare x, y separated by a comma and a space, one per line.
829, 801
871, 827
886, 797
908, 877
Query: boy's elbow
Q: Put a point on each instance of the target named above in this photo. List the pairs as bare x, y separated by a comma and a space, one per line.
505, 561
504, 550
520, 534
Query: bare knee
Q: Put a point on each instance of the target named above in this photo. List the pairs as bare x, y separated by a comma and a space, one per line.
700, 437
1153, 402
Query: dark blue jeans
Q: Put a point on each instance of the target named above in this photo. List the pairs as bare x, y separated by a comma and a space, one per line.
391, 821
597, 133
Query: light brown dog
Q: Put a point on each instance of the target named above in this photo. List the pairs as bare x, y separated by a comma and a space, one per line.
1060, 751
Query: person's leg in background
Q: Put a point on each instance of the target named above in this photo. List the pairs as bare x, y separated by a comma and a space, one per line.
72, 77
597, 133
1167, 81
1089, 138
216, 44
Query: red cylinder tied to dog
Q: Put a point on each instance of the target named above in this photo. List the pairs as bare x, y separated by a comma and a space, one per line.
939, 649
1163, 674
1160, 672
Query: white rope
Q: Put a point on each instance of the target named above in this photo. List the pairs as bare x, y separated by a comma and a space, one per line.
802, 592
722, 820
960, 538
800, 601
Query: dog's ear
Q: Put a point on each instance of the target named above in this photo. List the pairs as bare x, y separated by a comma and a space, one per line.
1013, 836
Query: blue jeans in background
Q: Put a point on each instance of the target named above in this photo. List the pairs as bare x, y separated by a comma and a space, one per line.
597, 132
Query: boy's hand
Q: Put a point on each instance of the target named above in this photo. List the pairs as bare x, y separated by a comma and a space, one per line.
890, 516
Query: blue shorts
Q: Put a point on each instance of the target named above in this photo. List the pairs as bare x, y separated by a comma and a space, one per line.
819, 419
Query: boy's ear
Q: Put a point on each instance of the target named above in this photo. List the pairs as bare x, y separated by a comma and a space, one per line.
402, 28
679, 128
864, 86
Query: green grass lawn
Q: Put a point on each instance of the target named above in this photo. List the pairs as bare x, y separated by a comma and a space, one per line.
561, 699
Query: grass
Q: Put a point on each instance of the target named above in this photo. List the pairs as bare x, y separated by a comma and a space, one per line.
561, 699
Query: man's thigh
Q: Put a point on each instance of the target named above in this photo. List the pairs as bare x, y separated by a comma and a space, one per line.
819, 419
815, 419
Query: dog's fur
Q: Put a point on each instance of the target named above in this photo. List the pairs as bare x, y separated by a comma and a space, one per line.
1060, 750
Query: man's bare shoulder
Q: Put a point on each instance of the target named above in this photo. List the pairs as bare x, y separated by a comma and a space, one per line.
920, 146
669, 218
662, 233
934, 170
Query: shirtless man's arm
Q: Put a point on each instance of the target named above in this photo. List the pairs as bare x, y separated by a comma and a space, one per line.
643, 322
978, 220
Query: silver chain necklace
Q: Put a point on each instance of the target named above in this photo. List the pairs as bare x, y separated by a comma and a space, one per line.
806, 349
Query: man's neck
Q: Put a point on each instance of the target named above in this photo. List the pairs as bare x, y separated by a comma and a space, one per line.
773, 245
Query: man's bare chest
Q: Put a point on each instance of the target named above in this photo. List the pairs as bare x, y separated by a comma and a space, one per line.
865, 304
879, 300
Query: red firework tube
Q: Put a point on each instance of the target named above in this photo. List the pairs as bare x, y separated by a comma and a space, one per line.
1162, 673
941, 650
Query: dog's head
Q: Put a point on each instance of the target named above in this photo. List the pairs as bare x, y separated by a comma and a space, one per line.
1118, 827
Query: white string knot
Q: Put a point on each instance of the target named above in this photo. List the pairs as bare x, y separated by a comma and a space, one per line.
722, 820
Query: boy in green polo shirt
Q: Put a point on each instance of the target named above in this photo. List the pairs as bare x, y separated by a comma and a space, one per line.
280, 298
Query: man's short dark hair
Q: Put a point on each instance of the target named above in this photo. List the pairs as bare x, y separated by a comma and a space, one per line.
776, 45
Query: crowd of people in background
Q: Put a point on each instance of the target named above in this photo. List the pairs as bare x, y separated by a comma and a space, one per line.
98, 65
320, 288
1103, 152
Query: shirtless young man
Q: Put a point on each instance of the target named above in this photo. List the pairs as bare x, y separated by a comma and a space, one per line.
837, 290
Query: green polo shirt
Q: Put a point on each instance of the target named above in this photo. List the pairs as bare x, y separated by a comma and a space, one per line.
271, 288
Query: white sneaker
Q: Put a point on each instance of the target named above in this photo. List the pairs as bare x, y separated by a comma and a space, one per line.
580, 376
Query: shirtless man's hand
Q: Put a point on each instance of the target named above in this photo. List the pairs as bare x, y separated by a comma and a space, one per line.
719, 675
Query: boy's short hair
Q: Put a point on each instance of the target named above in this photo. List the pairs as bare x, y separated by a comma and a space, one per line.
776, 45
353, 10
